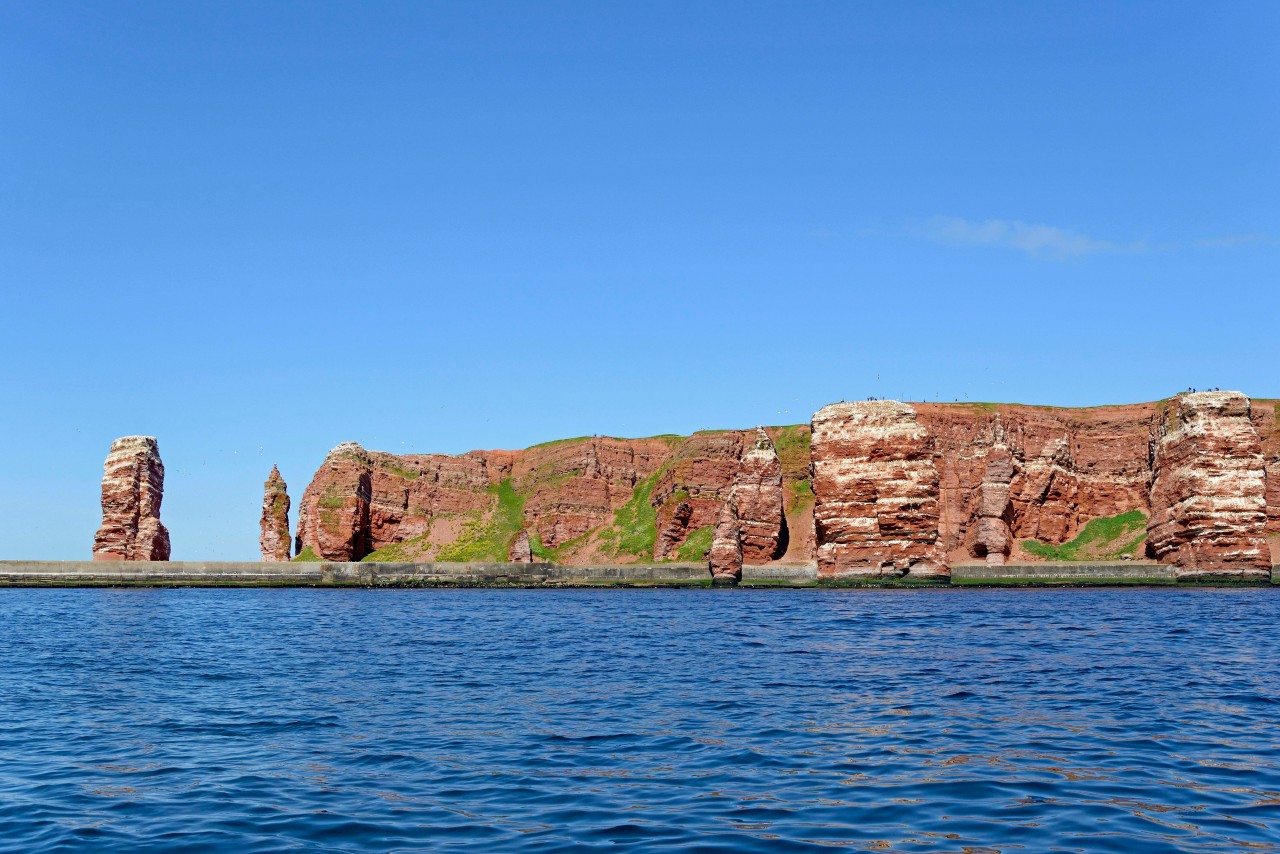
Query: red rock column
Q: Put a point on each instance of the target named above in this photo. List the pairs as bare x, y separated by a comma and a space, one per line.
876, 492
132, 489
1208, 492
994, 539
725, 557
274, 540
757, 490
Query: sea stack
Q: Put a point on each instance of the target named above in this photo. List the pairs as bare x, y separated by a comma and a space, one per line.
132, 489
274, 540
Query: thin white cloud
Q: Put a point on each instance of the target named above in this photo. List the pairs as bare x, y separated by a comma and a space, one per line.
1233, 241
1038, 241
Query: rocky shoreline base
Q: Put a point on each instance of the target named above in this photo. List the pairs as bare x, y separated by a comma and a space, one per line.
99, 573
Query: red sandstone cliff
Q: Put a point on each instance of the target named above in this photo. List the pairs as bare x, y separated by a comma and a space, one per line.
876, 483
274, 539
132, 490
596, 499
914, 488
896, 489
725, 557
1209, 492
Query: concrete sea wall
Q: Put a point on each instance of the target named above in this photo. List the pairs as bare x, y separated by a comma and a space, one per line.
17, 573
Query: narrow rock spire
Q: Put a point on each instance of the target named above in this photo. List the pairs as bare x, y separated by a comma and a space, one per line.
274, 540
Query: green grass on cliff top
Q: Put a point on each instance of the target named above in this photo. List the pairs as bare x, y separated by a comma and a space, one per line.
1107, 538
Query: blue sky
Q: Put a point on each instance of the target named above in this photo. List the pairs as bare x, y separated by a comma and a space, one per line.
255, 230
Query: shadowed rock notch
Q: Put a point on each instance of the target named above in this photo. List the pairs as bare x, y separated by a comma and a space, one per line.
275, 540
132, 489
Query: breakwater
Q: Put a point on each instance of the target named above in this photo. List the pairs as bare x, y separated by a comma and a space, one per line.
19, 573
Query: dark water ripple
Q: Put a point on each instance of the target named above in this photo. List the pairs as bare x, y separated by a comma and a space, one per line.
1006, 720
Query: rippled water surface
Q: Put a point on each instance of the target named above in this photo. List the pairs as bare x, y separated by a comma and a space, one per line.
353, 720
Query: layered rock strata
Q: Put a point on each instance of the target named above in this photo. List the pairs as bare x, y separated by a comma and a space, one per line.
994, 540
752, 526
274, 541
1265, 416
870, 489
692, 487
132, 491
757, 497
1209, 492
900, 486
877, 491
335, 516
725, 557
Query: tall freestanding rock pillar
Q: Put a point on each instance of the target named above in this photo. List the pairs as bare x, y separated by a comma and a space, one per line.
132, 489
274, 540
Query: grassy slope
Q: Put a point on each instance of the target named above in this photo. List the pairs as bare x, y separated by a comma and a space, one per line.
696, 544
635, 524
1107, 538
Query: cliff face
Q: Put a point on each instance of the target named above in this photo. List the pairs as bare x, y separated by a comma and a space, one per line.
871, 489
274, 539
1209, 493
586, 500
877, 489
132, 490
914, 488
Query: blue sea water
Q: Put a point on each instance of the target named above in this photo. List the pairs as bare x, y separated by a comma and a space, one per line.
709, 720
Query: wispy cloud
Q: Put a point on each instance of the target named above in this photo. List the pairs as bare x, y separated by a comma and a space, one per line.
1038, 241
1233, 241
